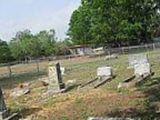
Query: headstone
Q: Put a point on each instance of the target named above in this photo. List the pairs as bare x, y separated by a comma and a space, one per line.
135, 59
141, 69
2, 103
55, 78
104, 72
140, 63
4, 114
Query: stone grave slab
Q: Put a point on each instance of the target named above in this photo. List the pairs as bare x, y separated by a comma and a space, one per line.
137, 59
55, 78
104, 72
141, 69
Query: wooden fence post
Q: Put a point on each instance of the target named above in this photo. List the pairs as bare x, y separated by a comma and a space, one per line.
38, 68
10, 71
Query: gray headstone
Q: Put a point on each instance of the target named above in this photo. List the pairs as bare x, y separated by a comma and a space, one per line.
2, 103
55, 78
4, 113
3, 108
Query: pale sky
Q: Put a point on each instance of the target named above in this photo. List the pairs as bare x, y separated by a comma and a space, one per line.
36, 15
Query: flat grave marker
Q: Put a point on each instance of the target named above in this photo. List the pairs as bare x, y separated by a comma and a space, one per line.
141, 69
104, 72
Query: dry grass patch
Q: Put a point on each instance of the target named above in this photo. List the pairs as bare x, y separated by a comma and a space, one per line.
80, 105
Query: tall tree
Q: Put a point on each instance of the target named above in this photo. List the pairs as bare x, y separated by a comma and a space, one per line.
20, 45
47, 42
5, 53
25, 45
114, 22
80, 24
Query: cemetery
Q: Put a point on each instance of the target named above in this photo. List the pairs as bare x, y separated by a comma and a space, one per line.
95, 88
80, 60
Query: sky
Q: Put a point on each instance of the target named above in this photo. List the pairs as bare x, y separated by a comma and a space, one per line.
36, 15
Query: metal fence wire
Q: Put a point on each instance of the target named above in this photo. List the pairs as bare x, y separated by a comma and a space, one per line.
10, 70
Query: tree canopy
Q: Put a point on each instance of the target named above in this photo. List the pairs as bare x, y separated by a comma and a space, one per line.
114, 22
5, 53
25, 45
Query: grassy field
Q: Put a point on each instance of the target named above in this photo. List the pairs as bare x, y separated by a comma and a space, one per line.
140, 101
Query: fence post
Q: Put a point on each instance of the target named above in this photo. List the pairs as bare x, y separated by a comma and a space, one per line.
38, 69
10, 70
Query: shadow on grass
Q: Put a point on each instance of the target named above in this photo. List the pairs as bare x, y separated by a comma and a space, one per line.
9, 83
28, 111
72, 87
151, 90
128, 113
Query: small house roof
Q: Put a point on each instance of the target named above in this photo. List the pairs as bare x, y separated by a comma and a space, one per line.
99, 49
77, 46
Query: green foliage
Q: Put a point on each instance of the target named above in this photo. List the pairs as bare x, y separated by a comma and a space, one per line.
114, 22
5, 54
26, 45
46, 42
80, 26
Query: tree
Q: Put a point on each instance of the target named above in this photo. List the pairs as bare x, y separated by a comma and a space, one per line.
80, 24
25, 45
20, 45
5, 54
47, 42
114, 22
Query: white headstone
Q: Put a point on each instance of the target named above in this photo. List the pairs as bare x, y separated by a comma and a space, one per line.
135, 59
53, 79
104, 71
141, 69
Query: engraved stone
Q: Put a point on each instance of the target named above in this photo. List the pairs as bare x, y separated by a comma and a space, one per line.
55, 78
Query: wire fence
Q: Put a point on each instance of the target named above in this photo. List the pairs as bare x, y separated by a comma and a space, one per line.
13, 69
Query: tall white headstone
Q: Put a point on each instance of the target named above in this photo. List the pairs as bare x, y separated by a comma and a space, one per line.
55, 78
